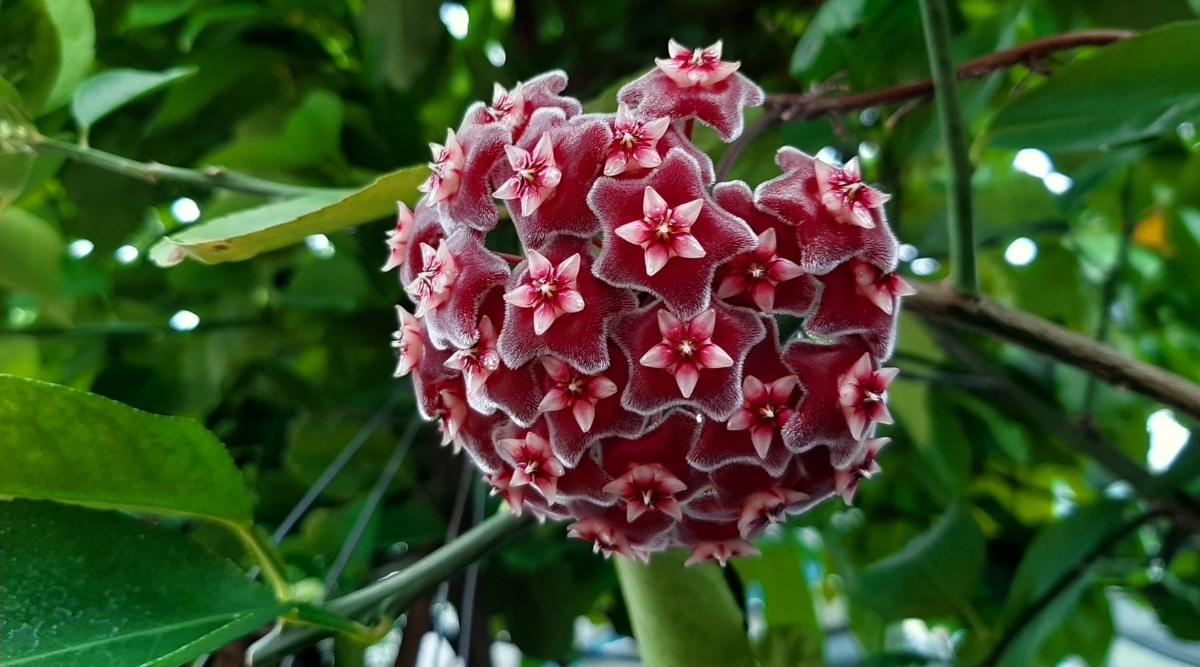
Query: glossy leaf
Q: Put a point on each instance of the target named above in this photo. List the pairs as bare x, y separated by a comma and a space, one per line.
253, 231
130, 593
935, 573
1133, 89
71, 446
683, 616
111, 89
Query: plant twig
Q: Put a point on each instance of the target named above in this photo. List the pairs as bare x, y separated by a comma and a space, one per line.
398, 590
1030, 613
805, 106
335, 466
954, 138
370, 505
1108, 295
940, 303
211, 178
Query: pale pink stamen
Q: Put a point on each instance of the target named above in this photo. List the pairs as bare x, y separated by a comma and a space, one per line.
648, 487
408, 342
844, 193
445, 170
478, 362
397, 239
431, 287
634, 142
765, 409
536, 177
882, 289
576, 391
534, 464
758, 273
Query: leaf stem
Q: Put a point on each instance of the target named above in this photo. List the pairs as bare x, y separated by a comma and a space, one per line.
399, 590
954, 138
274, 575
211, 178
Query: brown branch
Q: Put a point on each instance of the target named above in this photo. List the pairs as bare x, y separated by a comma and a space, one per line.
803, 106
940, 303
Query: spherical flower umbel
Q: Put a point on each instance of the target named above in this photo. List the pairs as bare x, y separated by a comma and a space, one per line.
607, 350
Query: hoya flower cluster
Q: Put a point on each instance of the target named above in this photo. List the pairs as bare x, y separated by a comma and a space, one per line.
626, 370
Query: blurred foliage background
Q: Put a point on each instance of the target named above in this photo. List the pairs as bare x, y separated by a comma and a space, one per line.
982, 507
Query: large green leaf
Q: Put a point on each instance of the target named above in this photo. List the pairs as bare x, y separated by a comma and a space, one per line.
107, 91
934, 574
67, 445
1059, 547
683, 616
46, 48
1133, 89
31, 253
251, 232
87, 587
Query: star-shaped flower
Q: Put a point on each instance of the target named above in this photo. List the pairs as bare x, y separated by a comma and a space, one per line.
696, 67
535, 175
589, 413
694, 84
472, 204
768, 507
577, 147
408, 341
765, 408
663, 233
573, 390
478, 362
846, 196
431, 288
576, 336
548, 289
819, 418
426, 229
720, 552
862, 394
678, 361
533, 463
397, 239
858, 298
635, 142
445, 172
758, 273
648, 487
825, 241
508, 106
845, 480
686, 348
452, 311
606, 539
721, 444
512, 108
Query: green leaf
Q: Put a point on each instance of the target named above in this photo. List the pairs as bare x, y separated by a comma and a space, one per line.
832, 19
1130, 90
787, 598
87, 587
683, 616
31, 253
46, 48
1059, 547
934, 574
71, 446
107, 91
251, 232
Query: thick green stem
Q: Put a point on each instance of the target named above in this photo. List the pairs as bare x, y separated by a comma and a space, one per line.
954, 138
683, 616
397, 591
211, 178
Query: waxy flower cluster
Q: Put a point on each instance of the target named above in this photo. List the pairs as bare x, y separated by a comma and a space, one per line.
626, 370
